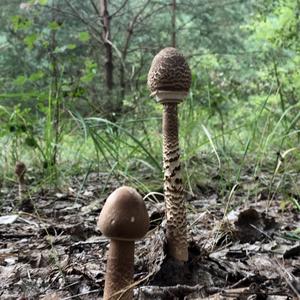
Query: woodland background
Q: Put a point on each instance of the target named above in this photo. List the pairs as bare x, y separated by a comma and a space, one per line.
73, 94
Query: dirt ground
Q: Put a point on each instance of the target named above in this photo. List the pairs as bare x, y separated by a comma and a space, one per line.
53, 250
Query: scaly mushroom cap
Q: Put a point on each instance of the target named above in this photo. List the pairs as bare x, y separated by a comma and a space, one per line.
169, 71
124, 215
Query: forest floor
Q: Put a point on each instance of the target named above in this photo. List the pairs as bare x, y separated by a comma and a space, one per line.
54, 250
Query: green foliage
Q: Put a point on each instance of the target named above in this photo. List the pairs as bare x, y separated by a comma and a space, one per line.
57, 112
280, 27
89, 71
84, 36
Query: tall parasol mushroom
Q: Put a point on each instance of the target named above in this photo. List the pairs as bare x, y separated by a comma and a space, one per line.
169, 80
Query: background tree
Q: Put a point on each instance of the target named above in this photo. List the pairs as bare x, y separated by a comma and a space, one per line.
69, 59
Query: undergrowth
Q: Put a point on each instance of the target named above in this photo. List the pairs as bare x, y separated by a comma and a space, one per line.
253, 139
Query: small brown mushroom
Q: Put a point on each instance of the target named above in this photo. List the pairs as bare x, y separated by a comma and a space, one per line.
123, 219
20, 170
169, 79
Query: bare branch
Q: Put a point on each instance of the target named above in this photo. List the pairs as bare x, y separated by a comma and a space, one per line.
131, 28
84, 21
119, 9
95, 7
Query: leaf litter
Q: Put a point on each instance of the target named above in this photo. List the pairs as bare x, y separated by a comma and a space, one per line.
54, 250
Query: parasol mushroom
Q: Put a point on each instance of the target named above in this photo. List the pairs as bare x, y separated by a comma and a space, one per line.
169, 80
123, 219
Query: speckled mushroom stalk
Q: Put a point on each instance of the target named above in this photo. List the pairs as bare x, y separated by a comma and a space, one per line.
20, 170
169, 79
124, 219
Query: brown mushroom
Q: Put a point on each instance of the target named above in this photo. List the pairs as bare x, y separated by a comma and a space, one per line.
20, 170
123, 219
169, 79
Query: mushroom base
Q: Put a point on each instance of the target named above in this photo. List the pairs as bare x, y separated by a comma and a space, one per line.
119, 271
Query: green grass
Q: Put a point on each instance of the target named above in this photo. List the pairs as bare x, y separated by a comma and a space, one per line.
220, 155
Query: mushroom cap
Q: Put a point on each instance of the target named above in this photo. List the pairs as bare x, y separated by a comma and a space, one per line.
124, 215
169, 71
20, 168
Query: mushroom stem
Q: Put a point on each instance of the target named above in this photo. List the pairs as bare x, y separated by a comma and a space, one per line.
21, 187
119, 271
20, 170
173, 188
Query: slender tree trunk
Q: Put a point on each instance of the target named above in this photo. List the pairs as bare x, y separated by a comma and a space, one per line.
174, 23
54, 89
130, 30
105, 20
279, 86
124, 57
122, 81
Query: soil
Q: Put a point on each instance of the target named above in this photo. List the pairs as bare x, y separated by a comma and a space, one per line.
51, 248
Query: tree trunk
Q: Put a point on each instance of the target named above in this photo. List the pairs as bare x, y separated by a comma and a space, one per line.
54, 90
105, 20
174, 24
